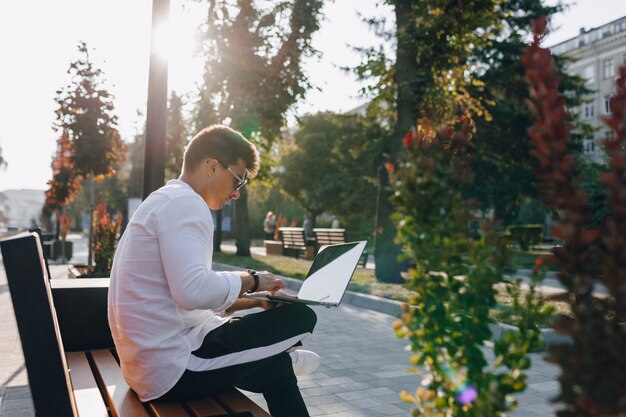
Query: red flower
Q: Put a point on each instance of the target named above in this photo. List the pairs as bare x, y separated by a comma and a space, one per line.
391, 168
407, 139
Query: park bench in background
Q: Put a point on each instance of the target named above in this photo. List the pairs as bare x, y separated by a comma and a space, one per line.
295, 243
325, 236
74, 372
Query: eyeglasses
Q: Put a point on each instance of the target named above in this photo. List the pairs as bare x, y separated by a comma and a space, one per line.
241, 181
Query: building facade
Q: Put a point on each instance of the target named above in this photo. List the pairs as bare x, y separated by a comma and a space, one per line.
597, 54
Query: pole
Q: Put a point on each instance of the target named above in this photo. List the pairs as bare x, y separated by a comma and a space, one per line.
156, 113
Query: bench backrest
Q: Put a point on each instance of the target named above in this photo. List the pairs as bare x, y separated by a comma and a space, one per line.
37, 325
293, 237
324, 236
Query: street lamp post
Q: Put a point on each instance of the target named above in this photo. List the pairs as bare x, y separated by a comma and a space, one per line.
156, 113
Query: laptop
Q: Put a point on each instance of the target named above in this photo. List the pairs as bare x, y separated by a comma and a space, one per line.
327, 279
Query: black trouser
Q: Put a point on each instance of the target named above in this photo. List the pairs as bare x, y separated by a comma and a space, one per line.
249, 353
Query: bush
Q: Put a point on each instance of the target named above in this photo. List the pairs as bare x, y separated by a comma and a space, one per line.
526, 235
105, 234
593, 367
447, 320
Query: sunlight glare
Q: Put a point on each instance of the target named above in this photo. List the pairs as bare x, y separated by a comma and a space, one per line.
174, 39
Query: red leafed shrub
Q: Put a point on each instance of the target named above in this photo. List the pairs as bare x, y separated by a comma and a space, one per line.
593, 367
105, 234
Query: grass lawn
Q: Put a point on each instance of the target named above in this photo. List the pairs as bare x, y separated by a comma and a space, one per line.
364, 281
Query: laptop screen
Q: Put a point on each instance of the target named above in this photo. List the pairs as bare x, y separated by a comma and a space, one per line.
329, 254
331, 271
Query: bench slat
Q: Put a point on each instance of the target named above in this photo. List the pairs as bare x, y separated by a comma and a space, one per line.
206, 407
87, 396
168, 410
118, 393
238, 402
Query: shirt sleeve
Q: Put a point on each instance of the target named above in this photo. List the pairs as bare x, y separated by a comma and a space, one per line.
185, 233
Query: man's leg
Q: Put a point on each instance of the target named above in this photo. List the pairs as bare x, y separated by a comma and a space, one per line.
248, 352
253, 337
279, 386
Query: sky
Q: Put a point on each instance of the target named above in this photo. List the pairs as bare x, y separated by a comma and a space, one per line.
38, 40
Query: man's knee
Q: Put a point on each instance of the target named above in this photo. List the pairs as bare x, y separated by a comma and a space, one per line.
306, 316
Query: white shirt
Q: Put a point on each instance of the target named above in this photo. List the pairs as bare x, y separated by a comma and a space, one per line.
164, 297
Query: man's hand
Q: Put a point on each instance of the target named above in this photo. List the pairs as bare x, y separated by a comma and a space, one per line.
268, 282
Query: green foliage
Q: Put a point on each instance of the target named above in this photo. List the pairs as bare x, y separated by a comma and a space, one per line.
532, 211
329, 167
591, 173
85, 112
267, 196
453, 276
503, 164
253, 69
435, 73
526, 235
253, 73
176, 137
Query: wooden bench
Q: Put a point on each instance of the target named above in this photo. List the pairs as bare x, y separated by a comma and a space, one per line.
79, 380
327, 236
295, 243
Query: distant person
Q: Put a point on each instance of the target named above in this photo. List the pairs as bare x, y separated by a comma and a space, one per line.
168, 309
308, 228
269, 225
335, 223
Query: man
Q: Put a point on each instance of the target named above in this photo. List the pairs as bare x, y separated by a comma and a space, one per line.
167, 306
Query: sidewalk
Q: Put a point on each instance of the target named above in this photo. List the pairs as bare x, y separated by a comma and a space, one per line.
363, 366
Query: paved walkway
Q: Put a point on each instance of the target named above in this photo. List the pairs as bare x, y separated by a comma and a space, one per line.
363, 366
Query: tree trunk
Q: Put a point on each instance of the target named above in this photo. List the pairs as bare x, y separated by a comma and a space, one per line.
92, 205
241, 221
217, 235
386, 251
63, 234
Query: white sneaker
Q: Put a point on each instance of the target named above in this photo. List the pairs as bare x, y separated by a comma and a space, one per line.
304, 361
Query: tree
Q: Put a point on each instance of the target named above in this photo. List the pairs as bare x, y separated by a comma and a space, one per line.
253, 73
503, 164
176, 137
329, 167
433, 75
64, 186
85, 112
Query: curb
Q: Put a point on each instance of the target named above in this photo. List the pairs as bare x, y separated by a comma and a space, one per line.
394, 308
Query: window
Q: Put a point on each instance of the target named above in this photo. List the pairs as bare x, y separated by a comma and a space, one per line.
588, 112
607, 104
589, 146
608, 71
589, 73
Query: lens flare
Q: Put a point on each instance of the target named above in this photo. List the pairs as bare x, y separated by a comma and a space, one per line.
465, 392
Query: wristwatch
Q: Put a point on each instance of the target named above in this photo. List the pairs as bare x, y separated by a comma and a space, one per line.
255, 275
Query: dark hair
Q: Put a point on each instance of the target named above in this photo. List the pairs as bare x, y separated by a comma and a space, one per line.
224, 144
